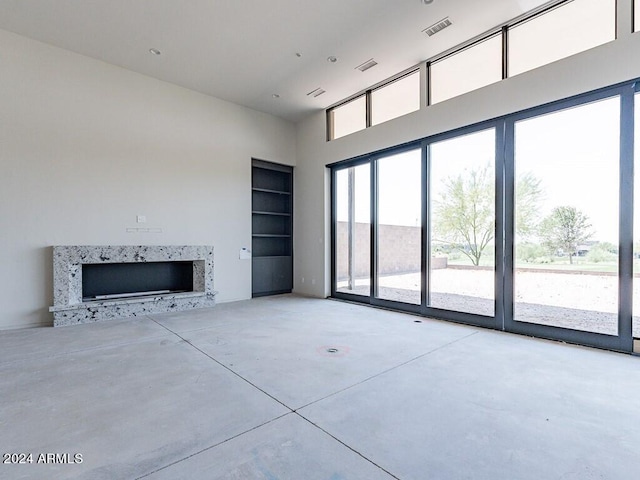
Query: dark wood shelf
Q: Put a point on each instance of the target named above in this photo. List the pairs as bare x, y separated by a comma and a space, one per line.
270, 235
268, 190
256, 212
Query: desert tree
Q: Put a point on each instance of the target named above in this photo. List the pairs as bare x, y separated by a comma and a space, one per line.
564, 229
463, 216
464, 212
528, 195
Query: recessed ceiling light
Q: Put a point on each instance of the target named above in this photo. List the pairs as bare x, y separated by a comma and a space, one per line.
275, 95
427, 2
154, 51
332, 59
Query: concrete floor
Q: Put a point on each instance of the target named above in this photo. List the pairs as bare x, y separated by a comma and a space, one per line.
252, 390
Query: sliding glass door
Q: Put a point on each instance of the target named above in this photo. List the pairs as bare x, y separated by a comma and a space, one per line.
566, 218
636, 216
415, 227
352, 187
399, 227
523, 224
463, 223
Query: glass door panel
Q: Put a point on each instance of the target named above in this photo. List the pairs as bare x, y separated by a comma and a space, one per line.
353, 230
462, 223
399, 231
636, 219
566, 218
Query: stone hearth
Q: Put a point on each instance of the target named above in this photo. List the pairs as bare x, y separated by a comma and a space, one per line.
69, 307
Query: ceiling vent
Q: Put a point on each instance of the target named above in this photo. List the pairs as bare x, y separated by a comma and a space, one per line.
316, 93
367, 65
438, 26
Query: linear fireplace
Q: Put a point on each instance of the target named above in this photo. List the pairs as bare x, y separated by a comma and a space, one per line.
104, 281
98, 282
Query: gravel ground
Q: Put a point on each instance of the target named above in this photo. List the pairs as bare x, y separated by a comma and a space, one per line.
581, 302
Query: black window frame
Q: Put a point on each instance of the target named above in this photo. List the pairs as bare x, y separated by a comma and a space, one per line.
502, 30
368, 104
504, 235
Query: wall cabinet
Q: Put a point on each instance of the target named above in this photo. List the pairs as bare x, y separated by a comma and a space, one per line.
272, 228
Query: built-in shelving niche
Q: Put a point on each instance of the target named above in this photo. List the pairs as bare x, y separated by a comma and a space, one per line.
272, 228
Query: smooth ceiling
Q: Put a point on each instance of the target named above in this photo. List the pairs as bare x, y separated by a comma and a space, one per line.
245, 51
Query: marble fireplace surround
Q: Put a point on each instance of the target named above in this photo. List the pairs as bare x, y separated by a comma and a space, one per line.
69, 309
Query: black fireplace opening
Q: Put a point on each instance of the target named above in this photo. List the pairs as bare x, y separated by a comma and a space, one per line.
104, 281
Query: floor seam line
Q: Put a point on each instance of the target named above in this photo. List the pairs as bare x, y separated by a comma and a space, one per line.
347, 446
291, 410
185, 331
215, 445
387, 370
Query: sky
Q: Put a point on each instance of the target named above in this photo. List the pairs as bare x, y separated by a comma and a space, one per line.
576, 154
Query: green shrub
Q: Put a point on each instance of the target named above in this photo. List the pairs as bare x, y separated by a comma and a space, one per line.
602, 252
531, 253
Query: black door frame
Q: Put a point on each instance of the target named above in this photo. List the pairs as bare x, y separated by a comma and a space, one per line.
623, 341
504, 234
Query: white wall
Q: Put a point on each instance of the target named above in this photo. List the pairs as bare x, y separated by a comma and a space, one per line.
86, 146
600, 67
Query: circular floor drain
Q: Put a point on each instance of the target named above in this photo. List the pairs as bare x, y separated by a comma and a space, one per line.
333, 351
